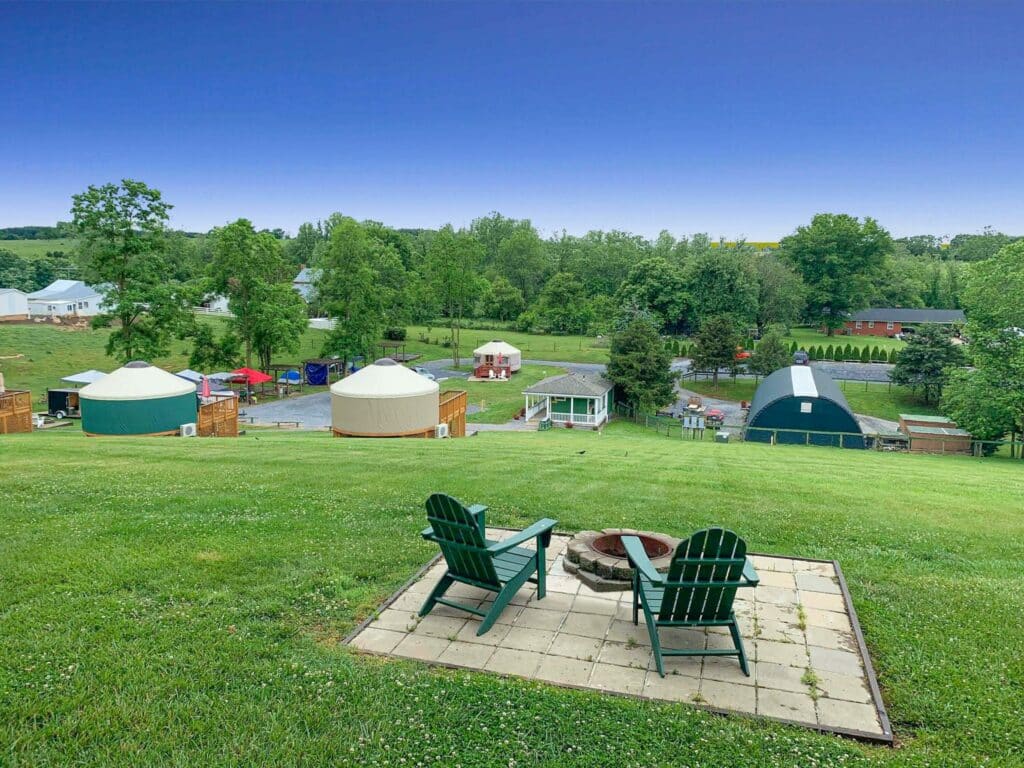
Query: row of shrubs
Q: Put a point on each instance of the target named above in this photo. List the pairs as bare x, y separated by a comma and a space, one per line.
835, 352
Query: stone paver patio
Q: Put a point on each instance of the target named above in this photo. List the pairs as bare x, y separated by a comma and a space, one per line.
807, 664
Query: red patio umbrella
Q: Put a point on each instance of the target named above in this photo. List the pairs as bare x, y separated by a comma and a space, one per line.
249, 376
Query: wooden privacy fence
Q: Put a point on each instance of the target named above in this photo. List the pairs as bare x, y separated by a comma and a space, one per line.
218, 417
15, 411
451, 410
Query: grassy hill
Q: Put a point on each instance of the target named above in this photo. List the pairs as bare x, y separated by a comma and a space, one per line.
32, 249
168, 601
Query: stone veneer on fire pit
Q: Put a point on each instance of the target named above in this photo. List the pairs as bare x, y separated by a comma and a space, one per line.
599, 560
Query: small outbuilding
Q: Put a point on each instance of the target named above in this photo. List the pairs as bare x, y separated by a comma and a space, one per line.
138, 399
496, 360
571, 399
934, 434
385, 399
13, 304
802, 405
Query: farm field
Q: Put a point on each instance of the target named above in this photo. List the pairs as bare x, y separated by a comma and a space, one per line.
871, 399
33, 249
181, 602
569, 349
500, 400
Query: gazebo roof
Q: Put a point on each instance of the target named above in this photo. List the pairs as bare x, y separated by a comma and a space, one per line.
571, 385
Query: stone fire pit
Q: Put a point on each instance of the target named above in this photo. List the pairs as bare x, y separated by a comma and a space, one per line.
599, 560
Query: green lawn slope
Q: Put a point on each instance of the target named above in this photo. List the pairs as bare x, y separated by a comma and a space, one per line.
181, 602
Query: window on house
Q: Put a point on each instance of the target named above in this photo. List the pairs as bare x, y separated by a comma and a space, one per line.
871, 323
859, 325
889, 326
805, 407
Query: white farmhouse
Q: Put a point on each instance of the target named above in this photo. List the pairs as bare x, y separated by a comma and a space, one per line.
65, 297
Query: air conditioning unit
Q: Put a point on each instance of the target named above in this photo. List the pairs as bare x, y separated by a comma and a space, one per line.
188, 430
441, 430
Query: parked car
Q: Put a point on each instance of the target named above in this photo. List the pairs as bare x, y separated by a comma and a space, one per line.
800, 357
424, 373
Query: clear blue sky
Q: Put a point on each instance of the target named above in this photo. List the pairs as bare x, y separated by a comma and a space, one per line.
738, 120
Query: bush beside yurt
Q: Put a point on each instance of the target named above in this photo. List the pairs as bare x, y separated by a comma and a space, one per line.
138, 399
384, 399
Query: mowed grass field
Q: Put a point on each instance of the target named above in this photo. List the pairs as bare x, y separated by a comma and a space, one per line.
181, 602
568, 349
870, 399
50, 352
500, 401
805, 337
33, 249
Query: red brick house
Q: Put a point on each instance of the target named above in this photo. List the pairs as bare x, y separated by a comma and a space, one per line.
888, 321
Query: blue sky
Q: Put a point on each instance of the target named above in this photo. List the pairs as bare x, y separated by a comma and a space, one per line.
734, 119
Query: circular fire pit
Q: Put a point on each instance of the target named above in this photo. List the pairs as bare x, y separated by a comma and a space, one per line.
598, 558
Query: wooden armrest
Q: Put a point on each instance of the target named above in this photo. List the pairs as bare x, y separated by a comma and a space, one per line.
539, 530
639, 560
750, 575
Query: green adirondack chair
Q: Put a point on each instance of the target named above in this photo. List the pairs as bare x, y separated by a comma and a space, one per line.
697, 591
500, 567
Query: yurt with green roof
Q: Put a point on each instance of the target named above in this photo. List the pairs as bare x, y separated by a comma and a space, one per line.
138, 399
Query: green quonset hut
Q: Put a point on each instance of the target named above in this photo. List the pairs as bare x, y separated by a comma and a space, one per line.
802, 405
138, 399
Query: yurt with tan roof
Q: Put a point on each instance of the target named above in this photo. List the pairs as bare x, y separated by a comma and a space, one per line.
384, 399
138, 399
496, 358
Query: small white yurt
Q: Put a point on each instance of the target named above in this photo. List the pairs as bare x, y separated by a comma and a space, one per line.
498, 352
137, 399
384, 399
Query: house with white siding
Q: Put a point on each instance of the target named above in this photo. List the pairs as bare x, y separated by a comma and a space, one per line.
63, 298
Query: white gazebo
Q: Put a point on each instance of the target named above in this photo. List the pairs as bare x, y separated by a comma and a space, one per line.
572, 398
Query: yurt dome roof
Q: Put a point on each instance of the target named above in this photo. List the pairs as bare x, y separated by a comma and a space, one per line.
496, 347
384, 379
137, 380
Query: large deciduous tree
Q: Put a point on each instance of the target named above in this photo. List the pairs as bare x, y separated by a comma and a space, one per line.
350, 292
838, 257
722, 281
657, 286
925, 363
715, 345
780, 292
278, 322
563, 305
452, 262
245, 263
121, 231
640, 365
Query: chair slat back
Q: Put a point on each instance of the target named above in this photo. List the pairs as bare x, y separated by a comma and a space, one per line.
705, 601
461, 540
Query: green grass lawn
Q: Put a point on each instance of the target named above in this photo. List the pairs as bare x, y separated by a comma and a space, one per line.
500, 400
569, 349
52, 352
870, 399
33, 249
181, 602
806, 336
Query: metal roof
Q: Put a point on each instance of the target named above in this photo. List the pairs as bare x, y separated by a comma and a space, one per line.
571, 385
797, 381
900, 315
926, 418
938, 431
64, 290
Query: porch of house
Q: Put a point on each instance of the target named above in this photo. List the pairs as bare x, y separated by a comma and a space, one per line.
578, 411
